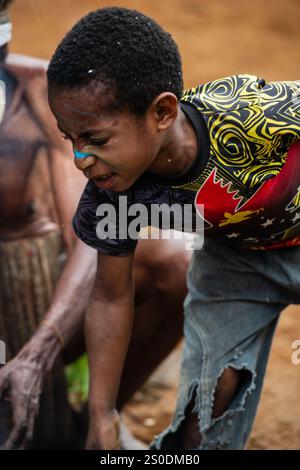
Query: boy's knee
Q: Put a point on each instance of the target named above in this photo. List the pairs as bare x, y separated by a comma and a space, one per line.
163, 264
171, 268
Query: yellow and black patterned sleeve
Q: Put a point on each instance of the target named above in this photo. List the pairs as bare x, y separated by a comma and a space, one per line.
280, 103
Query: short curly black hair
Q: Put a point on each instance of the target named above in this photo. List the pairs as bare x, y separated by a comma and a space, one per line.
123, 49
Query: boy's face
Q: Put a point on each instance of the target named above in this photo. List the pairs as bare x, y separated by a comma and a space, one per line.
119, 147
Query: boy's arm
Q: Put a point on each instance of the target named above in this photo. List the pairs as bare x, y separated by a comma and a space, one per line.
108, 326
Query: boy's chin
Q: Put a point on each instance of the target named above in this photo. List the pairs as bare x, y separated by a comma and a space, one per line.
115, 183
123, 185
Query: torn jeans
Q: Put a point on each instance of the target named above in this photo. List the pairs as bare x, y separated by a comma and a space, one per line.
231, 311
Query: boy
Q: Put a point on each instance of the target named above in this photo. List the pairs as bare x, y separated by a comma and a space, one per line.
40, 189
116, 90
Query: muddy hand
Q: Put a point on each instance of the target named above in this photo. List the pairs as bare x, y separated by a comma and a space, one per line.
20, 384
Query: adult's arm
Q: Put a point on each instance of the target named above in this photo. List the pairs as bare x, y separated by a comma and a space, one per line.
21, 379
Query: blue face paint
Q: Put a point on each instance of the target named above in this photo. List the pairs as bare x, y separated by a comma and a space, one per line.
78, 154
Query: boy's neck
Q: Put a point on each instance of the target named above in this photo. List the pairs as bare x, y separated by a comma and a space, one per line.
179, 150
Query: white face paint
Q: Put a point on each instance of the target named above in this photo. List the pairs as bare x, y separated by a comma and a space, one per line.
5, 28
2, 100
5, 37
5, 33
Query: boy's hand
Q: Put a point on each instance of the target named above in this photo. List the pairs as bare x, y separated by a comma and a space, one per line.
104, 432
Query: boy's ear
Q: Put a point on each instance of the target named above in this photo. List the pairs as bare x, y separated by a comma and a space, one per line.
165, 110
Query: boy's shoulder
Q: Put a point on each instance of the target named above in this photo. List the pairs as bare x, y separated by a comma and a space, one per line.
226, 89
238, 91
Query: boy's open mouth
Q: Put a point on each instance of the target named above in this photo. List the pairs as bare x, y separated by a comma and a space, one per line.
104, 181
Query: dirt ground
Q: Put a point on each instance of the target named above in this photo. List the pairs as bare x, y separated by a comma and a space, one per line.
216, 38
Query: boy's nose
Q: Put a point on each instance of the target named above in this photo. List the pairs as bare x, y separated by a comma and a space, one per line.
83, 160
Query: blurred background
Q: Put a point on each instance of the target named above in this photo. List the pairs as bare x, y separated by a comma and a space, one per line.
216, 38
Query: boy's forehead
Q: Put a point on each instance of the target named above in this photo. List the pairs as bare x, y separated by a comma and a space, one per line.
91, 97
78, 110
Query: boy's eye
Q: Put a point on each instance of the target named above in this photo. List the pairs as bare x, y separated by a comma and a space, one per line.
98, 141
65, 137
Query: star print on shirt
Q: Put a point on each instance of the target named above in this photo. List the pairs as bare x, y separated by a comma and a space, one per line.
268, 222
297, 216
233, 235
